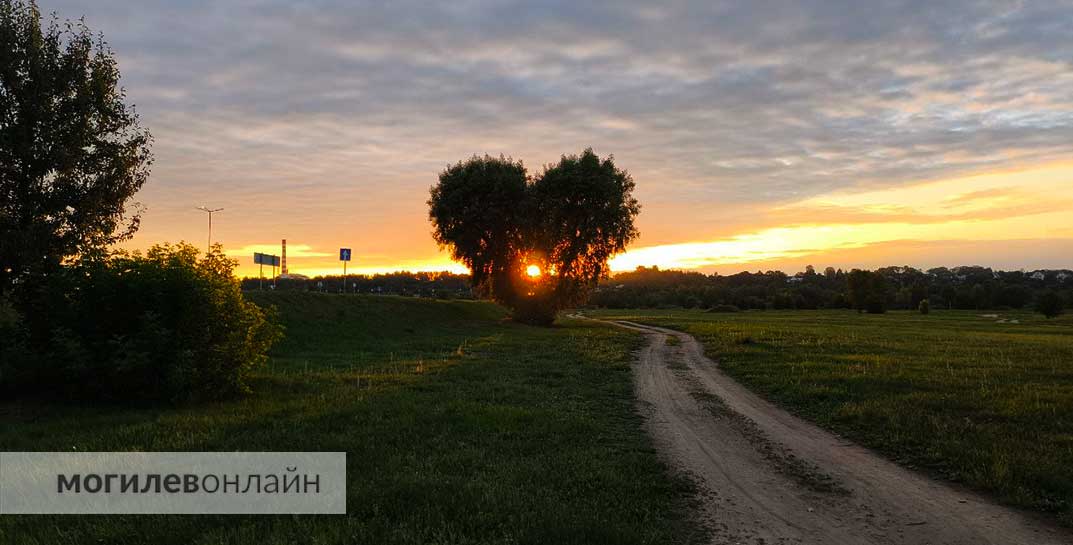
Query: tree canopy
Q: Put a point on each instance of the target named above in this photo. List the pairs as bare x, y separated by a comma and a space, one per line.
535, 245
866, 291
72, 153
1049, 303
477, 212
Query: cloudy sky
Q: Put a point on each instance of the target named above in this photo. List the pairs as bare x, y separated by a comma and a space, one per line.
760, 134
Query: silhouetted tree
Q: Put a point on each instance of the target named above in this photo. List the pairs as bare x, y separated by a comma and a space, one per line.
568, 222
581, 214
867, 291
1049, 303
477, 212
71, 152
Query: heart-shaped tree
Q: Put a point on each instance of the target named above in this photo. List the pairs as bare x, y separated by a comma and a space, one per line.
536, 245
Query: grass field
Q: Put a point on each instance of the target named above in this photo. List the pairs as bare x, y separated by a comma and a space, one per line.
458, 428
968, 396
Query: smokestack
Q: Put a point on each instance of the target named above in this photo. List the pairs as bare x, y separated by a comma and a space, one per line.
283, 261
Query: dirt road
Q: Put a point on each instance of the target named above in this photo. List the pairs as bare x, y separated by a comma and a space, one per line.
772, 478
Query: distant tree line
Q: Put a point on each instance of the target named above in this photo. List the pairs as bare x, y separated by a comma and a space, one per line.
899, 288
972, 287
440, 285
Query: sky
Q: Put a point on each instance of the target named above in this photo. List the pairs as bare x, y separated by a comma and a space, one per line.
761, 135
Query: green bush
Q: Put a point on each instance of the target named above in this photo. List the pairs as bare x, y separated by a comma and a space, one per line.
724, 308
164, 326
1049, 303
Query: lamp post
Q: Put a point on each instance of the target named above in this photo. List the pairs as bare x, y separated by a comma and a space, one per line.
209, 211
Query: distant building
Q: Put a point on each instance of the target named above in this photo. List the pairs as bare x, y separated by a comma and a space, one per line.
1038, 275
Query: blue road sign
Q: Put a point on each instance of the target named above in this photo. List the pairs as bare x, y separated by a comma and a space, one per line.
344, 254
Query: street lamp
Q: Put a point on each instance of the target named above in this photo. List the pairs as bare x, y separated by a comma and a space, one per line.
210, 211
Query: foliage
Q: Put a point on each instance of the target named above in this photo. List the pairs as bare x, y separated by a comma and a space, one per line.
724, 308
1049, 303
477, 210
165, 326
11, 345
970, 288
71, 151
866, 291
568, 221
924, 307
581, 214
439, 285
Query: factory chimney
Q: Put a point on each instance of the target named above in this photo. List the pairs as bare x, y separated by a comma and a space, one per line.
283, 261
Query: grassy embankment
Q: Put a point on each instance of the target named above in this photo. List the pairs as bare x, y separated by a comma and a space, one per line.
458, 428
960, 394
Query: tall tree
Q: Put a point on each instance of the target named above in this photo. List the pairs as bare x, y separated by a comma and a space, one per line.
72, 153
867, 291
476, 212
541, 246
581, 214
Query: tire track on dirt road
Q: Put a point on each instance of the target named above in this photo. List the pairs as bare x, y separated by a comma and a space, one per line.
770, 478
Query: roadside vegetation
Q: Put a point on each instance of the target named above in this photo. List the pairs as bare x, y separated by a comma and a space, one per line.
77, 318
167, 326
459, 427
985, 399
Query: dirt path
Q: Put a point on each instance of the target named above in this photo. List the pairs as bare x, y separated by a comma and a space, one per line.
772, 478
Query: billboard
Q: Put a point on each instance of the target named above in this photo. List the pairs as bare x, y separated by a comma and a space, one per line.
266, 259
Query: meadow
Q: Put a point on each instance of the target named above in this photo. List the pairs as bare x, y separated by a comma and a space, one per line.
980, 398
459, 427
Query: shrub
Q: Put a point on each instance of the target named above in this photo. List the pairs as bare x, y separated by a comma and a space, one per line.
1049, 303
164, 326
11, 349
924, 307
723, 308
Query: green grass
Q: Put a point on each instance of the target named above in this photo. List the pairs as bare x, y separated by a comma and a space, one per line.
958, 394
458, 427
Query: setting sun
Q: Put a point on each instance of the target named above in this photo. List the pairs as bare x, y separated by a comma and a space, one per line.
774, 262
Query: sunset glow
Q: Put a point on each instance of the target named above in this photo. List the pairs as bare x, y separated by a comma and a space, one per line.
791, 271
1008, 206
838, 228
809, 141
